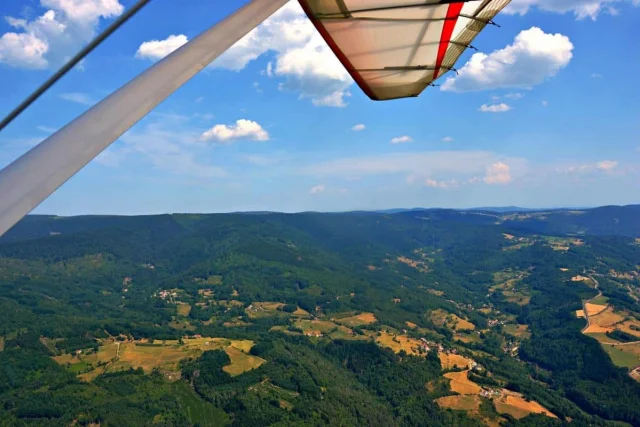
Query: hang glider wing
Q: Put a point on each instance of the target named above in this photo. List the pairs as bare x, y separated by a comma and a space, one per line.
396, 48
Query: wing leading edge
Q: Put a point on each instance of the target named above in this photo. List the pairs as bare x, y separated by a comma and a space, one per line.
395, 49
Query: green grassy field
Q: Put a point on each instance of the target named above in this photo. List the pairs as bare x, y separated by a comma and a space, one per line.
600, 300
198, 411
622, 356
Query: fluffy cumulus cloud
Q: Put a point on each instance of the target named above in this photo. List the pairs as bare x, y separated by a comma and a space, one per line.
498, 173
580, 8
495, 108
302, 60
158, 49
242, 129
58, 33
358, 127
401, 139
533, 57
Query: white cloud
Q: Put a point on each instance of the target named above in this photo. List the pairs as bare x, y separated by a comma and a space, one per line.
46, 129
607, 165
494, 108
243, 129
581, 8
545, 103
54, 36
169, 146
302, 58
498, 173
447, 139
401, 139
335, 99
317, 189
158, 49
358, 127
533, 57
421, 164
441, 184
514, 96
78, 98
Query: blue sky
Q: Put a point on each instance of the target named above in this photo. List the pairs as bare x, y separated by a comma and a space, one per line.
545, 115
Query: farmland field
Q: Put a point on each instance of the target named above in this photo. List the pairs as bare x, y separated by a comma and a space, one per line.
357, 320
197, 410
398, 343
520, 331
627, 356
451, 321
164, 355
599, 300
461, 384
518, 407
450, 361
460, 402
593, 309
315, 327
183, 309
241, 362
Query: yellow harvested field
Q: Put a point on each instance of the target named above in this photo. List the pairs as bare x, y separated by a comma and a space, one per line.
579, 278
435, 292
411, 325
183, 309
300, 312
516, 406
564, 269
451, 321
635, 375
271, 306
595, 329
606, 318
315, 327
371, 267
593, 309
627, 327
164, 355
398, 343
1, 343
508, 236
580, 313
460, 403
241, 362
461, 384
486, 310
360, 319
450, 361
519, 331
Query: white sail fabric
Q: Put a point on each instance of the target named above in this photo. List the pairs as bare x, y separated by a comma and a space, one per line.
396, 48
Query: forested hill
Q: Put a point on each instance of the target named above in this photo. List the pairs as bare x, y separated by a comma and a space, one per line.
607, 220
364, 318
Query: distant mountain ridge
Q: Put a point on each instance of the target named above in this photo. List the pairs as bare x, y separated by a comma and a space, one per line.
605, 220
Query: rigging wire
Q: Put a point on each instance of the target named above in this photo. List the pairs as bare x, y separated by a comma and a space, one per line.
128, 14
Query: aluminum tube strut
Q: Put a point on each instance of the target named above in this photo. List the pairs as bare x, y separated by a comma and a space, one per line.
30, 179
